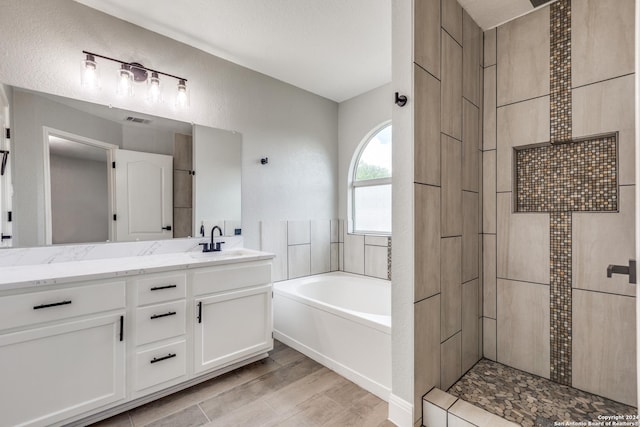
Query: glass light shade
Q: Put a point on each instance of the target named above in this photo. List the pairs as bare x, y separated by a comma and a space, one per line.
89, 77
154, 92
182, 100
125, 81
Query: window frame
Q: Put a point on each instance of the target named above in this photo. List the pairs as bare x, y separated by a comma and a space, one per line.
355, 183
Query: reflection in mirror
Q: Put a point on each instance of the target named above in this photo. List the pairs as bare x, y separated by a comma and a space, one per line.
62, 154
80, 191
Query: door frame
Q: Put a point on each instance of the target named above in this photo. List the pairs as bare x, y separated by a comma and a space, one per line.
109, 148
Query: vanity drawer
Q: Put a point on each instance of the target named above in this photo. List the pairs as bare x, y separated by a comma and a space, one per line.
47, 306
225, 278
157, 322
160, 364
161, 287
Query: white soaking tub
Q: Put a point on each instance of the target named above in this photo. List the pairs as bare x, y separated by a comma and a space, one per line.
342, 321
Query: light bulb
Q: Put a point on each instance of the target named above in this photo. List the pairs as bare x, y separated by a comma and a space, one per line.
125, 79
154, 94
182, 100
89, 77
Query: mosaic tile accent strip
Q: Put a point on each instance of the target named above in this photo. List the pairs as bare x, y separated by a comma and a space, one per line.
561, 302
389, 258
530, 400
560, 71
578, 176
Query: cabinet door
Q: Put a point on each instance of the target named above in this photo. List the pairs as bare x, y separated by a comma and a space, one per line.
231, 326
52, 373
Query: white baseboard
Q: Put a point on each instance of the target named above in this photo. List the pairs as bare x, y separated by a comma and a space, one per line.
400, 411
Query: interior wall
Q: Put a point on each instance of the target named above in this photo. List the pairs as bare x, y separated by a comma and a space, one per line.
447, 75
147, 140
518, 297
357, 118
297, 130
79, 200
30, 113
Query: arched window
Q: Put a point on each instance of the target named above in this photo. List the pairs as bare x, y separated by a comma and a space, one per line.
371, 184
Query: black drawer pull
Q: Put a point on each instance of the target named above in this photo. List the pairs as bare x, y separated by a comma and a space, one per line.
157, 316
55, 304
200, 312
160, 359
157, 288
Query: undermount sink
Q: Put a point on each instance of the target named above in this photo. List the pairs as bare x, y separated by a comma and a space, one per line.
231, 253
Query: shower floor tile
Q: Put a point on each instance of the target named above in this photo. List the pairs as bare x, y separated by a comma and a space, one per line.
530, 400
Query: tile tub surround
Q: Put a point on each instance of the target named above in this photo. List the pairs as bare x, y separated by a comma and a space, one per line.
285, 389
448, 193
530, 400
305, 248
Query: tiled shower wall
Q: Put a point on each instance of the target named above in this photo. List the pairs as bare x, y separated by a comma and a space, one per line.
520, 306
304, 248
447, 176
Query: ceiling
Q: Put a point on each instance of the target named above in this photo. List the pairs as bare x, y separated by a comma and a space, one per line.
334, 48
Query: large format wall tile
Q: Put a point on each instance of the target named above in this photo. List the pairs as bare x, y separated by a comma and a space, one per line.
451, 90
602, 39
320, 246
273, 238
354, 253
427, 241
471, 59
471, 154
427, 346
335, 256
490, 47
522, 244
182, 218
375, 261
469, 236
600, 239
489, 338
489, 108
489, 275
452, 19
519, 124
451, 287
523, 57
182, 189
523, 326
451, 361
451, 219
298, 232
489, 191
299, 261
608, 107
427, 35
470, 323
426, 128
604, 345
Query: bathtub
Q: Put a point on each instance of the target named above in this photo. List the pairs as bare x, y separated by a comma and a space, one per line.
342, 321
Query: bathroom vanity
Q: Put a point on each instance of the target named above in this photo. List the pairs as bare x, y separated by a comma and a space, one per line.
83, 340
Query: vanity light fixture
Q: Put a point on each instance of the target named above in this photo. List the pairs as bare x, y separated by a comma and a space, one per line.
130, 73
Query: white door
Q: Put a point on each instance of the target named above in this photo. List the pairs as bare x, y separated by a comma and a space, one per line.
55, 372
231, 326
6, 229
144, 196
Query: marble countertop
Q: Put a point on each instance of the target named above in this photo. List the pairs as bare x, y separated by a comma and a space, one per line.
40, 275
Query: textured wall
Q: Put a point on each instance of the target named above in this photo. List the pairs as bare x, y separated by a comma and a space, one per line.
447, 175
524, 106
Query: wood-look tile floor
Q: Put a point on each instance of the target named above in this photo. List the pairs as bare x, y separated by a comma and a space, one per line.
285, 389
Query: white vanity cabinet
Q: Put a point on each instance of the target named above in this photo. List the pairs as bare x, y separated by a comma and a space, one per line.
62, 352
233, 313
74, 353
160, 356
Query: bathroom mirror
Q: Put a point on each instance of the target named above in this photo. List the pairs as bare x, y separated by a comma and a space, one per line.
64, 188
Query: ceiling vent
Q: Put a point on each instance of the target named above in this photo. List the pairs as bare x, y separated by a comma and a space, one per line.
137, 120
